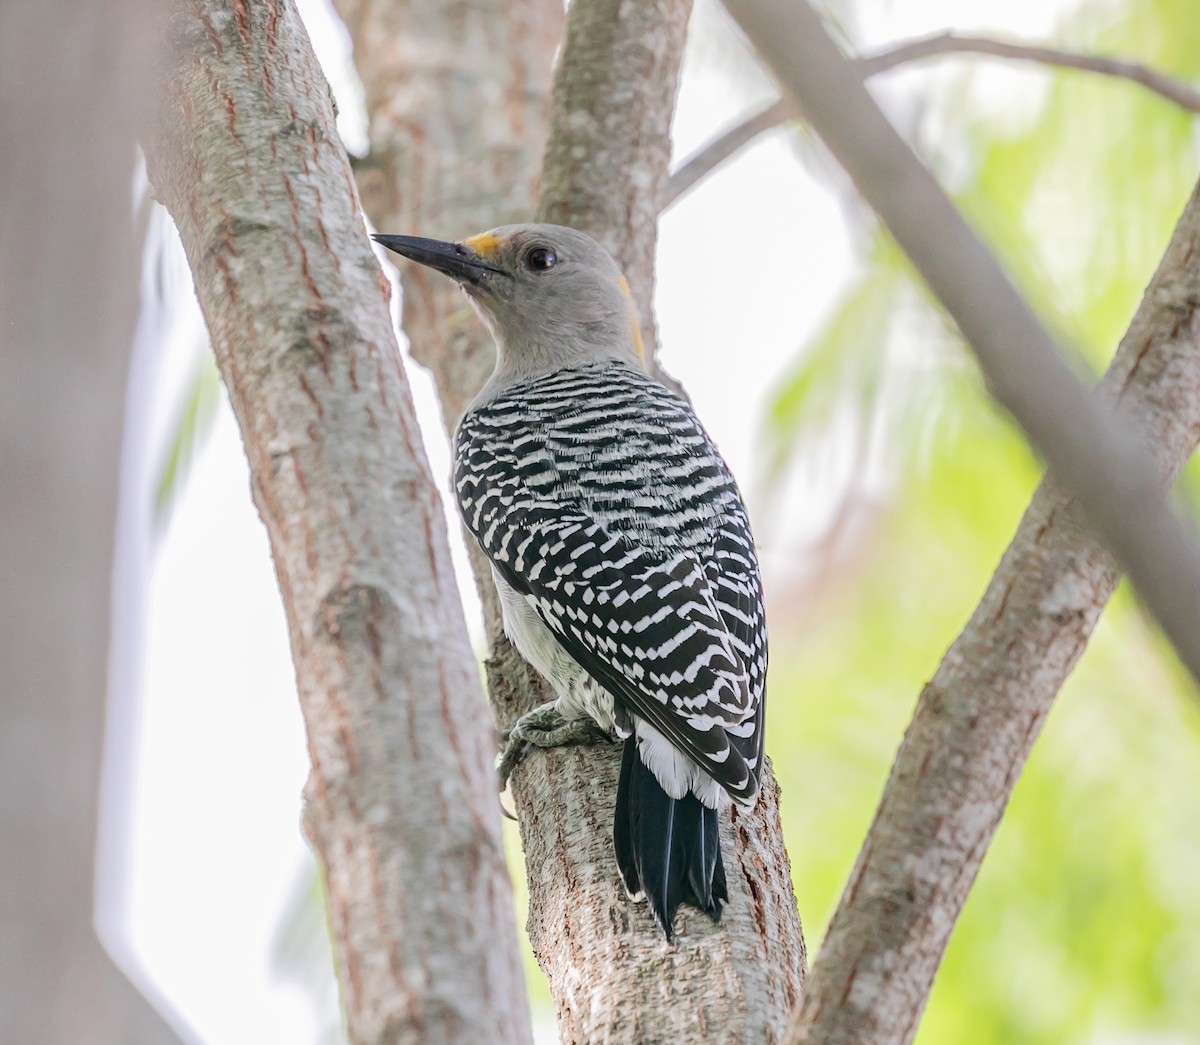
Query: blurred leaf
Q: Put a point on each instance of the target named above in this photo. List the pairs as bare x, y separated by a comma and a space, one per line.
872, 387
189, 430
302, 953
838, 372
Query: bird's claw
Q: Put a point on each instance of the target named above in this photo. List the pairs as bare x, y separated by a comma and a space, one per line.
542, 727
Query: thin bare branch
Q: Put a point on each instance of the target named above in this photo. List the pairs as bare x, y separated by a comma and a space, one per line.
952, 43
703, 162
400, 800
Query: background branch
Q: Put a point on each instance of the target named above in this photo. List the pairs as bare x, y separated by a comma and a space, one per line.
709, 157
1101, 460
400, 802
978, 717
952, 43
68, 300
703, 162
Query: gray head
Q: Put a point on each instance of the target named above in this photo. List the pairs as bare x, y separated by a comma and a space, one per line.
552, 296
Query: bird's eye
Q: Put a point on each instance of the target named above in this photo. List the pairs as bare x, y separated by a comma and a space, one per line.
541, 259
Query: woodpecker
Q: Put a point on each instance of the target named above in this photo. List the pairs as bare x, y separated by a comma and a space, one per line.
620, 548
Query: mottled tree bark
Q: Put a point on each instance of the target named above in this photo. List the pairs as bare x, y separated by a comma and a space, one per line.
609, 151
612, 977
400, 802
979, 716
71, 78
456, 140
606, 171
456, 99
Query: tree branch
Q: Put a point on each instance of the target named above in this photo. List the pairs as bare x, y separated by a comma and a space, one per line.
952, 43
977, 719
702, 163
709, 157
1101, 459
400, 802
605, 169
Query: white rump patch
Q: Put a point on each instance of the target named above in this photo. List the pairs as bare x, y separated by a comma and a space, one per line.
675, 772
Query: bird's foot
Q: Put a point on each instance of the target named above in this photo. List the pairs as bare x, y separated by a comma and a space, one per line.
543, 727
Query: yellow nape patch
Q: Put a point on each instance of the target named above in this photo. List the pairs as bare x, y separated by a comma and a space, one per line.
623, 283
486, 244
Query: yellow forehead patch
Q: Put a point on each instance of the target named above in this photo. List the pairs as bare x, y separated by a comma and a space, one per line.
637, 339
623, 283
486, 244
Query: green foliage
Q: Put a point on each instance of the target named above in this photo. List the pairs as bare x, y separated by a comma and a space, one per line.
1083, 923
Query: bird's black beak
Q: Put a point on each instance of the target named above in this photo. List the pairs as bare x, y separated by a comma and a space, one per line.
456, 261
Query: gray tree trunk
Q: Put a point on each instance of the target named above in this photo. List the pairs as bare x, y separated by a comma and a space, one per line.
400, 802
68, 277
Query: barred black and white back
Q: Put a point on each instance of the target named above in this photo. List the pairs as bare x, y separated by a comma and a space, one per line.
610, 516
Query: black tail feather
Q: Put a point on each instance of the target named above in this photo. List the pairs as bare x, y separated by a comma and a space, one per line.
667, 848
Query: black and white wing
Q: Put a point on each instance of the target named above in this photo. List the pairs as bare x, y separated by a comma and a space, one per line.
598, 496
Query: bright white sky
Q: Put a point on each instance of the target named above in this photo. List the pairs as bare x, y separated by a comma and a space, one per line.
203, 852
